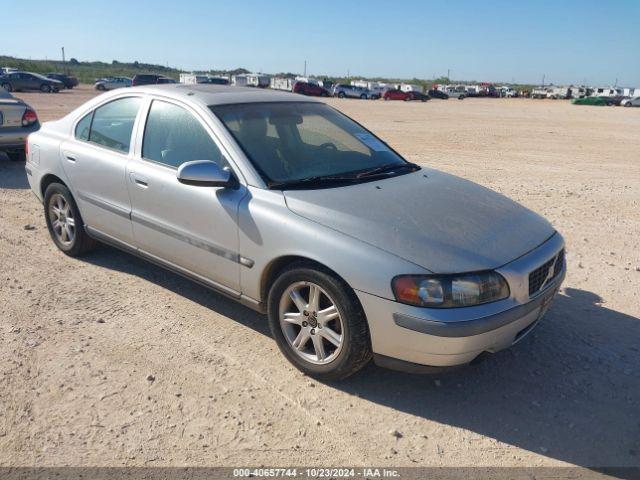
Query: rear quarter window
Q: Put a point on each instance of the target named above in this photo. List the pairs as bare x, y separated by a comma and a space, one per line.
83, 127
113, 123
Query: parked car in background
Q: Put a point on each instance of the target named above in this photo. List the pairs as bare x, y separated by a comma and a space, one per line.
419, 96
150, 79
631, 102
17, 81
5, 70
311, 89
614, 101
17, 120
69, 81
594, 101
459, 92
395, 94
435, 93
111, 83
218, 81
342, 90
361, 271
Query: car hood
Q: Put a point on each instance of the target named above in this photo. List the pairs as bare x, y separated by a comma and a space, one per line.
438, 221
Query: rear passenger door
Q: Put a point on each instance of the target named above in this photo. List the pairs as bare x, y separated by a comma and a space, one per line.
96, 161
193, 229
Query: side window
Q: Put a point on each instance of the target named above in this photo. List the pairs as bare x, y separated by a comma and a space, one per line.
173, 136
113, 123
83, 126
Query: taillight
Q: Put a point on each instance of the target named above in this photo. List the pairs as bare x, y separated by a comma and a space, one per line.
29, 117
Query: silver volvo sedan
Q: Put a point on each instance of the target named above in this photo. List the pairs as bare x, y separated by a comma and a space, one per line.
290, 207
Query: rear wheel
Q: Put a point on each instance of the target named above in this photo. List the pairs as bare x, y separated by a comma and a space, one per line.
7, 87
363, 97
101, 87
341, 95
64, 221
318, 323
44, 88
628, 104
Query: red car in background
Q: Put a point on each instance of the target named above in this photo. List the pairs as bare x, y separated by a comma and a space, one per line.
405, 96
311, 89
394, 94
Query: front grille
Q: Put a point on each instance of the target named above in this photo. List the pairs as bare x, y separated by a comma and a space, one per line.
540, 276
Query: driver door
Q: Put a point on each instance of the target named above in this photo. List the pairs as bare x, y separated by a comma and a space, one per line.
193, 229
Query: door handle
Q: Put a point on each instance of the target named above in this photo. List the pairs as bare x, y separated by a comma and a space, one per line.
138, 180
71, 157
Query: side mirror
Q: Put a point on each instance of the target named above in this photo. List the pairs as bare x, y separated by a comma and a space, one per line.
204, 173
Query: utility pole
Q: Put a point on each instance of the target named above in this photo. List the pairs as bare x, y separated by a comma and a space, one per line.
448, 74
616, 84
305, 68
543, 77
64, 66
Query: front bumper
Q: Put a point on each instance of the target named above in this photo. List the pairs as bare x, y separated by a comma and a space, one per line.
450, 337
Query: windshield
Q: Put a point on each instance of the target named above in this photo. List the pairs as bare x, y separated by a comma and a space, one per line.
292, 141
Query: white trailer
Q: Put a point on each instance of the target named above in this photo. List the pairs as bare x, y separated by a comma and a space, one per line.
473, 89
557, 93
251, 80
192, 79
279, 83
606, 92
407, 87
539, 92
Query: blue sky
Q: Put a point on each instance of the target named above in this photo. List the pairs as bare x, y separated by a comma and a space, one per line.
569, 41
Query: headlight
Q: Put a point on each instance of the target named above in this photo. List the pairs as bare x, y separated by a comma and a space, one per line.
448, 291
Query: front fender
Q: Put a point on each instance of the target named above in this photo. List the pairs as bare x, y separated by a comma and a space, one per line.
268, 230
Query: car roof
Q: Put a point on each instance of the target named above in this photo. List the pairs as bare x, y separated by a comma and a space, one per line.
212, 94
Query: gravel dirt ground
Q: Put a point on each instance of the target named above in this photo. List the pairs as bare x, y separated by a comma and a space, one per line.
110, 361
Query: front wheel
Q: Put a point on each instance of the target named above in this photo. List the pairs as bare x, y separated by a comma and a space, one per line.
45, 88
318, 323
64, 221
363, 97
341, 95
7, 87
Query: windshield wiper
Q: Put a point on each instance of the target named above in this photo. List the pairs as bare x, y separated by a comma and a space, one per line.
388, 169
324, 181
316, 181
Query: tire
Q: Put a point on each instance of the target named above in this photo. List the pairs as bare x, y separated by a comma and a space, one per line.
44, 88
341, 95
363, 97
17, 156
628, 104
7, 87
101, 88
349, 322
79, 242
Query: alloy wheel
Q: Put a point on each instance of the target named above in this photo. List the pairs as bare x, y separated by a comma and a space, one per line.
63, 222
311, 323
